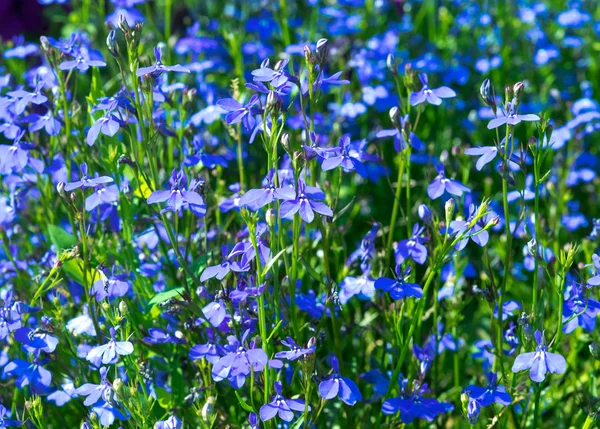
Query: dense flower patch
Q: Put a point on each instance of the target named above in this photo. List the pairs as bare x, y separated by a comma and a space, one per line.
300, 214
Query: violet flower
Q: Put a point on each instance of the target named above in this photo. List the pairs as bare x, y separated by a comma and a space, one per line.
399, 288
277, 77
258, 198
400, 142
180, 197
102, 195
238, 361
412, 248
97, 392
215, 312
344, 156
579, 310
171, 423
540, 362
492, 393
415, 406
81, 64
442, 184
511, 117
86, 181
476, 232
109, 353
108, 125
595, 279
158, 336
31, 374
336, 385
295, 352
305, 203
158, 67
432, 96
240, 112
221, 270
281, 406
5, 422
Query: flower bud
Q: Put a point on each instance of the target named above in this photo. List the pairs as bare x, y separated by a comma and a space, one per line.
117, 385
311, 342
123, 24
207, 409
425, 214
391, 64
271, 217
298, 161
112, 45
61, 189
45, 43
308, 56
189, 95
517, 88
285, 142
594, 350
473, 410
449, 209
394, 116
273, 102
322, 50
278, 65
123, 308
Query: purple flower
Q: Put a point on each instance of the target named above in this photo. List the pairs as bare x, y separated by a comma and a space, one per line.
228, 264
476, 233
102, 195
97, 392
238, 362
492, 393
281, 406
432, 96
109, 287
200, 155
415, 406
15, 157
171, 423
209, 351
399, 288
46, 121
295, 352
80, 64
107, 413
425, 355
305, 203
363, 286
86, 181
344, 156
4, 422
31, 374
336, 385
108, 125
595, 279
36, 339
579, 310
540, 362
399, 140
109, 353
412, 248
253, 420
215, 312
442, 184
444, 341
158, 336
257, 198
511, 117
277, 77
508, 309
158, 67
473, 410
179, 196
239, 112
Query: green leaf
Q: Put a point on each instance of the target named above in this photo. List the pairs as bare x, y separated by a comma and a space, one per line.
163, 296
60, 238
311, 271
164, 398
298, 423
344, 210
272, 261
247, 407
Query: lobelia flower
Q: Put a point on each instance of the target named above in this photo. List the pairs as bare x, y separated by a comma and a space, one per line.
336, 385
15, 157
473, 410
4, 421
81, 64
432, 96
475, 233
399, 288
102, 195
442, 184
366, 251
109, 353
31, 374
306, 203
109, 287
491, 393
215, 312
86, 181
579, 310
278, 77
158, 67
46, 121
363, 286
36, 97
488, 153
200, 155
62, 397
253, 420
210, 351
179, 197
96, 392
158, 336
108, 125
412, 248
444, 341
295, 352
540, 362
425, 355
36, 339
344, 156
107, 413
508, 309
281, 406
595, 279
400, 142
171, 423
511, 117
258, 198
228, 264
239, 361
240, 112
415, 406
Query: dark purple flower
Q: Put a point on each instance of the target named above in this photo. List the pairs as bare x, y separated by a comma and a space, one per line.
109, 353
281, 406
412, 248
442, 184
511, 117
239, 112
432, 96
295, 352
158, 67
306, 202
399, 288
179, 197
336, 385
540, 362
416, 406
492, 393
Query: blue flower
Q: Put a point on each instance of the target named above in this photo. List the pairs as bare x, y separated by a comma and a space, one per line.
540, 362
306, 203
399, 288
336, 385
109, 353
491, 393
179, 196
281, 406
432, 96
158, 67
